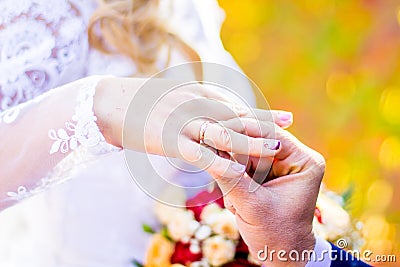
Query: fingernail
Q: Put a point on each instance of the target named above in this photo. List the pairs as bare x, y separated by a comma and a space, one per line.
285, 116
238, 167
272, 144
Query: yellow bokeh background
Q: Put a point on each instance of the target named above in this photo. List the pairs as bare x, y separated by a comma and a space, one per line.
336, 65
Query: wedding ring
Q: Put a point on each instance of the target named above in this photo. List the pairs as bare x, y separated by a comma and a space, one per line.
203, 129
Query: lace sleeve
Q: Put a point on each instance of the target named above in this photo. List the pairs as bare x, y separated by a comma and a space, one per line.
45, 140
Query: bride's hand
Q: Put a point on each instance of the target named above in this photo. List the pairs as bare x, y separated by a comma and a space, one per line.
277, 214
164, 118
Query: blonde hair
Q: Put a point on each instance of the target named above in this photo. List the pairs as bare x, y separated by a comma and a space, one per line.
134, 28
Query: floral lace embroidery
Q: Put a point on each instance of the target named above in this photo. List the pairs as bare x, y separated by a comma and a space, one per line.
83, 128
84, 140
42, 44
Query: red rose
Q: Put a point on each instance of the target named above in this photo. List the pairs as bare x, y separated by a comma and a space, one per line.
198, 202
318, 214
183, 255
242, 247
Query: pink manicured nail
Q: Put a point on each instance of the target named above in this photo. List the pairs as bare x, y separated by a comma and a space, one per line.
285, 116
272, 144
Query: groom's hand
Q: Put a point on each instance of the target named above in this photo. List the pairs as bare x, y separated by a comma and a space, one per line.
278, 214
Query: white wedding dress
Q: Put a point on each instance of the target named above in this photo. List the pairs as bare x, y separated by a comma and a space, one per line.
93, 216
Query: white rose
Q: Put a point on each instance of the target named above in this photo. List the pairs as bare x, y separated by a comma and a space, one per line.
182, 225
203, 232
166, 213
218, 250
209, 213
202, 263
195, 246
335, 220
224, 224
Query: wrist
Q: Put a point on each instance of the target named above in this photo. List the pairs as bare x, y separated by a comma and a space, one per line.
114, 97
294, 253
306, 248
303, 246
111, 101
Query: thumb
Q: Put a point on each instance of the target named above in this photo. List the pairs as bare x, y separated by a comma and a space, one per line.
237, 189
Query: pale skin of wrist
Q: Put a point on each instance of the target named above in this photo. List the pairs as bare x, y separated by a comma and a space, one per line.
112, 98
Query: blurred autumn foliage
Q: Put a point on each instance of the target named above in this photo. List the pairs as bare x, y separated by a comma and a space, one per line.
336, 65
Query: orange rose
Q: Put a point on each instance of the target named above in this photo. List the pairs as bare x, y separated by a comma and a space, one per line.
159, 252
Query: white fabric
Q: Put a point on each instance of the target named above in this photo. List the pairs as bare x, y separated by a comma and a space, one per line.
95, 218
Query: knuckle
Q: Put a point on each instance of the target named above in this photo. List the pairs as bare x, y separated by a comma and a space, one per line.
241, 127
276, 129
271, 130
240, 111
319, 162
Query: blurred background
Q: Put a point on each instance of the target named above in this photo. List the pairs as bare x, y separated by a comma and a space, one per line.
336, 65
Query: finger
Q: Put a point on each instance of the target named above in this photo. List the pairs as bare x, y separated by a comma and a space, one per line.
215, 106
252, 127
257, 168
226, 139
235, 190
208, 159
235, 187
291, 148
243, 111
266, 130
223, 138
282, 118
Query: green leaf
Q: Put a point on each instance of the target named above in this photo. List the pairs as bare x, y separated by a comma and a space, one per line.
165, 234
136, 263
347, 195
148, 229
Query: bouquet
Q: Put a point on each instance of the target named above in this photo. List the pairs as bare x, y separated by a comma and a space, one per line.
205, 234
